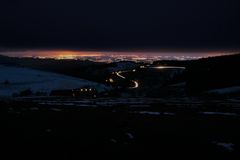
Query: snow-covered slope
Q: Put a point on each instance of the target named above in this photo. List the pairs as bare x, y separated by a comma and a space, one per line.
228, 90
16, 79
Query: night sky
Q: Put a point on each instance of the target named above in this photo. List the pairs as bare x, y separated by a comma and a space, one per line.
119, 24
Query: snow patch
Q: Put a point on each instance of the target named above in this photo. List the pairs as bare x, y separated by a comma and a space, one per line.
228, 90
155, 113
219, 113
113, 140
17, 79
227, 146
130, 136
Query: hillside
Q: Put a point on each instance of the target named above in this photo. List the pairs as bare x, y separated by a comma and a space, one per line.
93, 71
17, 79
212, 73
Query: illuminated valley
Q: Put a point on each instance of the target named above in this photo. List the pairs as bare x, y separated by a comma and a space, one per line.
115, 56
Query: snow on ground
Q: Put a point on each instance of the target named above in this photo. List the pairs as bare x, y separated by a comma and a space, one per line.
16, 79
219, 113
227, 146
150, 113
228, 90
130, 135
154, 113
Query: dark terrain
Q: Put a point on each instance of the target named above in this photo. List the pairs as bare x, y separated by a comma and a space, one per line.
193, 128
167, 116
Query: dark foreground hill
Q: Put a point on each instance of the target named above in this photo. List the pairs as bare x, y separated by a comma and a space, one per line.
160, 129
213, 73
209, 73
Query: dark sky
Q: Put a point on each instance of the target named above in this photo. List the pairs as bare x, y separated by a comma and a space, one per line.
120, 24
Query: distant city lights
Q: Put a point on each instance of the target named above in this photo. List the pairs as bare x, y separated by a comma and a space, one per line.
113, 56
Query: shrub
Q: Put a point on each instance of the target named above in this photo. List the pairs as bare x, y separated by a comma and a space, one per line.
26, 92
6, 82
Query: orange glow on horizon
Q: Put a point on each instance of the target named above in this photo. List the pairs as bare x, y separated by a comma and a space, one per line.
72, 54
135, 55
55, 54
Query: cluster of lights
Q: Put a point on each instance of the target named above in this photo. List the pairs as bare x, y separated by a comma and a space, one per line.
110, 80
114, 58
85, 90
82, 90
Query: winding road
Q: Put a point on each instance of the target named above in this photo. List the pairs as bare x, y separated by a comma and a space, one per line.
136, 84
